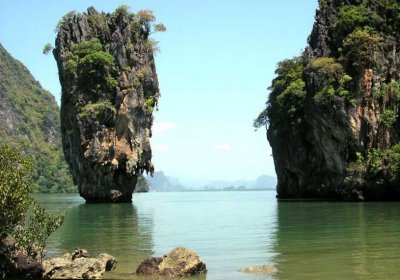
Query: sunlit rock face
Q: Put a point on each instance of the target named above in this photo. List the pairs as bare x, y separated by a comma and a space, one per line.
109, 90
332, 115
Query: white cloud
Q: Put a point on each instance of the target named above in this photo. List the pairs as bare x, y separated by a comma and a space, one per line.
162, 127
222, 146
161, 148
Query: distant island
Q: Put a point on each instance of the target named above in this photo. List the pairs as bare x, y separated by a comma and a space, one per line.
163, 183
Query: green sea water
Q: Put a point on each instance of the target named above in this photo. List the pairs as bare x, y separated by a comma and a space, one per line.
234, 230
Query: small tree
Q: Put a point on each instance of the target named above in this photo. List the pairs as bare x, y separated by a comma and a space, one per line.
159, 27
15, 189
146, 17
30, 231
122, 10
47, 48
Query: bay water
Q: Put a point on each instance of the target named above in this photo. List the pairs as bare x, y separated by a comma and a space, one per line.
234, 230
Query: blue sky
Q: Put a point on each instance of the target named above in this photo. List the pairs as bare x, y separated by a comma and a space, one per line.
217, 60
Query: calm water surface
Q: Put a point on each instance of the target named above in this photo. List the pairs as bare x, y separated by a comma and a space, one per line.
234, 230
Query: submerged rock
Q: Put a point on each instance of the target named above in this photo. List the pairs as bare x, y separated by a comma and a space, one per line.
179, 262
261, 269
109, 91
78, 265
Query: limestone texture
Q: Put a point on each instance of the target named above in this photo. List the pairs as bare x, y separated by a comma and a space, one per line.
332, 114
78, 265
177, 263
109, 91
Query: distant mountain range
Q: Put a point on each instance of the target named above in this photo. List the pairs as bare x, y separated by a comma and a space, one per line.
163, 183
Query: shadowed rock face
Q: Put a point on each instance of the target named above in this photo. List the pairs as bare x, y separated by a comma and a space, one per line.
324, 133
109, 90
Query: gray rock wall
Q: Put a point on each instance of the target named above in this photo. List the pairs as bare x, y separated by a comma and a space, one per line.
107, 102
324, 153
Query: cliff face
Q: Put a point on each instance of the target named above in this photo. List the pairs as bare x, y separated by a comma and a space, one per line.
109, 90
29, 120
332, 114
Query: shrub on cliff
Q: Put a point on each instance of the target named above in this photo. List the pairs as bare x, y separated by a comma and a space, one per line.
93, 67
387, 160
359, 47
352, 17
29, 228
287, 95
331, 80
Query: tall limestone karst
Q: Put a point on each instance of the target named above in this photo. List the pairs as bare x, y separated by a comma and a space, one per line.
109, 91
29, 121
332, 115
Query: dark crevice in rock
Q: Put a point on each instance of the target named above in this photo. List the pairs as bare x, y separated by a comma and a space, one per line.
108, 76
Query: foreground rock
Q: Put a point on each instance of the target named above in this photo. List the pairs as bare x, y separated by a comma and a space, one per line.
261, 269
16, 264
179, 262
78, 266
109, 91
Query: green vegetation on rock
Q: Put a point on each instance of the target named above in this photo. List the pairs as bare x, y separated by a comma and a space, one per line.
149, 103
109, 90
47, 48
332, 115
287, 95
30, 121
93, 67
387, 160
389, 117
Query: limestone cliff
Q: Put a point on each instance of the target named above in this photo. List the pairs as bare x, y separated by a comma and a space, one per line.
109, 91
29, 120
332, 114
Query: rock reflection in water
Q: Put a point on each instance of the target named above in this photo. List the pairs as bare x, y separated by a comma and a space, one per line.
112, 228
320, 240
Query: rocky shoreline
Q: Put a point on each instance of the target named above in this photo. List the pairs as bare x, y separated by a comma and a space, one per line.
180, 262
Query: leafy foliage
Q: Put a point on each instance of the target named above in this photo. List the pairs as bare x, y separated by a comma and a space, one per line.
146, 17
93, 67
149, 103
95, 110
327, 68
122, 10
159, 27
388, 159
336, 83
358, 47
353, 17
15, 188
391, 89
32, 236
47, 48
287, 95
388, 117
31, 121
29, 230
